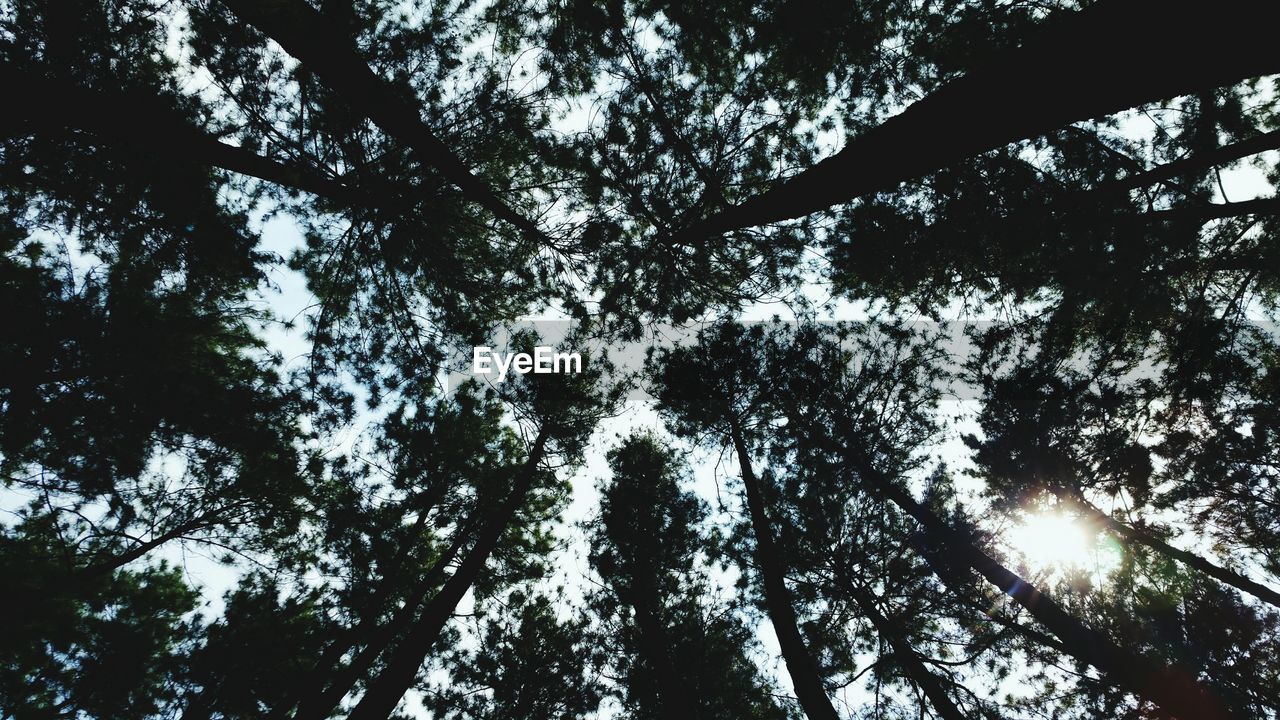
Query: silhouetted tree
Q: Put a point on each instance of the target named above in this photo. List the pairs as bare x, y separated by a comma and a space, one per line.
453, 167
679, 654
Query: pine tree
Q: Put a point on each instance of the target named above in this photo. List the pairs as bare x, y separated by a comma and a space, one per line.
677, 652
1057, 171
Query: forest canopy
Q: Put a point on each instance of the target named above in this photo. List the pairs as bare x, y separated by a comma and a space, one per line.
961, 399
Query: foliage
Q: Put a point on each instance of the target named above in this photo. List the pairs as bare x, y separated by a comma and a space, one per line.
1098, 214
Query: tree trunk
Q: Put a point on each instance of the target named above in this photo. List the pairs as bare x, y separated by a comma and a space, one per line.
928, 683
654, 642
1178, 693
1203, 213
1228, 577
1199, 161
337, 682
325, 673
800, 664
306, 35
673, 695
401, 667
1115, 55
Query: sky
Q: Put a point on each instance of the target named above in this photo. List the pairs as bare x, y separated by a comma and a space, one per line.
289, 300
713, 476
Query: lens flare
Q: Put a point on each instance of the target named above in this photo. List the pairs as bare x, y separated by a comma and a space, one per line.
1051, 541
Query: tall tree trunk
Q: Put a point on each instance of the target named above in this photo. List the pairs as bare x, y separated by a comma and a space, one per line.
325, 673
1114, 55
800, 663
335, 682
928, 683
401, 666
1205, 212
1176, 693
326, 51
642, 594
1224, 575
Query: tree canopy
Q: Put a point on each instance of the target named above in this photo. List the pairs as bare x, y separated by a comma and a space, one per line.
1007, 447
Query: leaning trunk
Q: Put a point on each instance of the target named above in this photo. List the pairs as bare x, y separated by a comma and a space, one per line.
306, 35
907, 657
149, 124
1224, 575
1174, 692
338, 681
800, 664
1093, 63
655, 648
401, 667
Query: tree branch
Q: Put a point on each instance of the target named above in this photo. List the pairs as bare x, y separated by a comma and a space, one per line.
306, 35
1092, 63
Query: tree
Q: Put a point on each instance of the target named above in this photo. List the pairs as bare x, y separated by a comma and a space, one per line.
720, 412
1066, 173
565, 409
534, 666
827, 531
678, 654
1061, 438
255, 658
109, 648
1083, 87
737, 394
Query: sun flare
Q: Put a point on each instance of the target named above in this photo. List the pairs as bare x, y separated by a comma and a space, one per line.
1053, 541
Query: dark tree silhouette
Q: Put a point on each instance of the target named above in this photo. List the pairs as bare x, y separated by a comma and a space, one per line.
1089, 187
680, 656
1058, 81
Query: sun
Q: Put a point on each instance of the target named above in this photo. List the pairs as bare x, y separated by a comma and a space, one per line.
1051, 541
